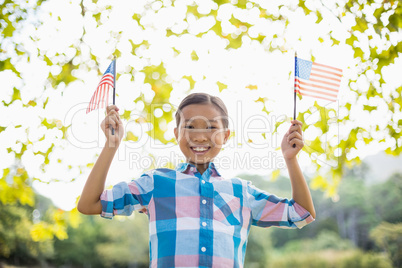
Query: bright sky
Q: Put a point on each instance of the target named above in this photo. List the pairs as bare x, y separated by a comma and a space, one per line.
252, 64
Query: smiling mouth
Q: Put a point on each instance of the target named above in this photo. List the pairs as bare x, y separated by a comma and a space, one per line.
200, 150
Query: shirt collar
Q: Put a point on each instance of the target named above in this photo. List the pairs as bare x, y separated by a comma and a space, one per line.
183, 167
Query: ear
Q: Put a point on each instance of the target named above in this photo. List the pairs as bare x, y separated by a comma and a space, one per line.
176, 133
227, 134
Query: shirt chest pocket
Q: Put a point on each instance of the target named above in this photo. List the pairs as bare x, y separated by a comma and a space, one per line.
227, 208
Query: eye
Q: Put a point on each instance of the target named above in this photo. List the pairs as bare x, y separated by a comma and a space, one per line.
188, 126
211, 127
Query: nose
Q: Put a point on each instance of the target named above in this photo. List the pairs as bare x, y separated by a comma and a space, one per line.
199, 136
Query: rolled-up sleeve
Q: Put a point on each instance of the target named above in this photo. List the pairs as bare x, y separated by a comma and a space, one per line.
269, 210
126, 197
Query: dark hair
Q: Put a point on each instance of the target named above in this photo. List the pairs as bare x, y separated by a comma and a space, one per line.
203, 98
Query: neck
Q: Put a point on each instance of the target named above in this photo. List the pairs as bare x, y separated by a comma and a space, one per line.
201, 167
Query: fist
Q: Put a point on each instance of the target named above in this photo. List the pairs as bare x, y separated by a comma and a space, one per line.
294, 136
112, 120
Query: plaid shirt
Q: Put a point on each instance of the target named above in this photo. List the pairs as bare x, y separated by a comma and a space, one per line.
200, 220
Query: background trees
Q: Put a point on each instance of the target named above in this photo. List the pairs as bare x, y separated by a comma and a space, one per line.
347, 233
52, 52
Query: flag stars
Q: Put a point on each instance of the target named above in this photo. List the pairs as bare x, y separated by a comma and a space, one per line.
303, 68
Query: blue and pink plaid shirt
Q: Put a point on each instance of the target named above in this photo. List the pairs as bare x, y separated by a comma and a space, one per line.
200, 220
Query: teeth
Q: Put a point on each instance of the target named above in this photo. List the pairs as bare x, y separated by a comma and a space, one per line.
200, 149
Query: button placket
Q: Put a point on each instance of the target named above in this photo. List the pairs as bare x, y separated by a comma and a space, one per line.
203, 201
206, 216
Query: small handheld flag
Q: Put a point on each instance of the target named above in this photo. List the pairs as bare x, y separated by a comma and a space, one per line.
101, 95
315, 80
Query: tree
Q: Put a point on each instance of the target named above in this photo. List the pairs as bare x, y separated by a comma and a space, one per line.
156, 50
388, 237
16, 243
389, 209
259, 247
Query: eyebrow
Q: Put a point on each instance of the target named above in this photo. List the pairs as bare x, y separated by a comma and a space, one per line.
210, 120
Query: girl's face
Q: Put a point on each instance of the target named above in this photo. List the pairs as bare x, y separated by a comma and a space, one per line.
201, 134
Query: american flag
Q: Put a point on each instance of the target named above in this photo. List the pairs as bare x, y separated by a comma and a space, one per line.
317, 80
101, 95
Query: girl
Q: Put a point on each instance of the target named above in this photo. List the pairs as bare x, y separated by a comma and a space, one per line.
197, 218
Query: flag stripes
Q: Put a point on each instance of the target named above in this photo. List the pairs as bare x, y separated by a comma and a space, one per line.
317, 80
100, 97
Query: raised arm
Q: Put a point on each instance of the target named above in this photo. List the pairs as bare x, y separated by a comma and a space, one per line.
89, 202
300, 191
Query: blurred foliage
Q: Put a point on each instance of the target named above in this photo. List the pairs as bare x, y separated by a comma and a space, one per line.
380, 21
258, 245
390, 193
336, 239
325, 240
16, 243
330, 258
388, 237
122, 242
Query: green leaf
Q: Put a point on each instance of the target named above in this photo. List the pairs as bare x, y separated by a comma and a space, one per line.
191, 80
221, 86
154, 76
7, 65
319, 182
314, 146
277, 124
131, 137
47, 60
372, 92
193, 9
65, 75
319, 17
234, 42
221, 2
368, 140
275, 174
194, 56
241, 4
369, 108
351, 40
16, 95
117, 53
238, 23
303, 5
358, 52
126, 115
395, 22
361, 25
8, 30
97, 16
378, 12
217, 28
334, 41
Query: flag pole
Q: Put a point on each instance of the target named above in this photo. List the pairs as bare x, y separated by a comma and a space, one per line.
294, 94
114, 85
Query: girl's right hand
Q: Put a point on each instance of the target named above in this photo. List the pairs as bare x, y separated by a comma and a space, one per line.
112, 119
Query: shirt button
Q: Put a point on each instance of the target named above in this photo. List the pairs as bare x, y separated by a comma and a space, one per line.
204, 224
204, 201
203, 182
203, 249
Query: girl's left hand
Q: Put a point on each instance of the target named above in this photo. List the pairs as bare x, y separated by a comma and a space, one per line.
293, 136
